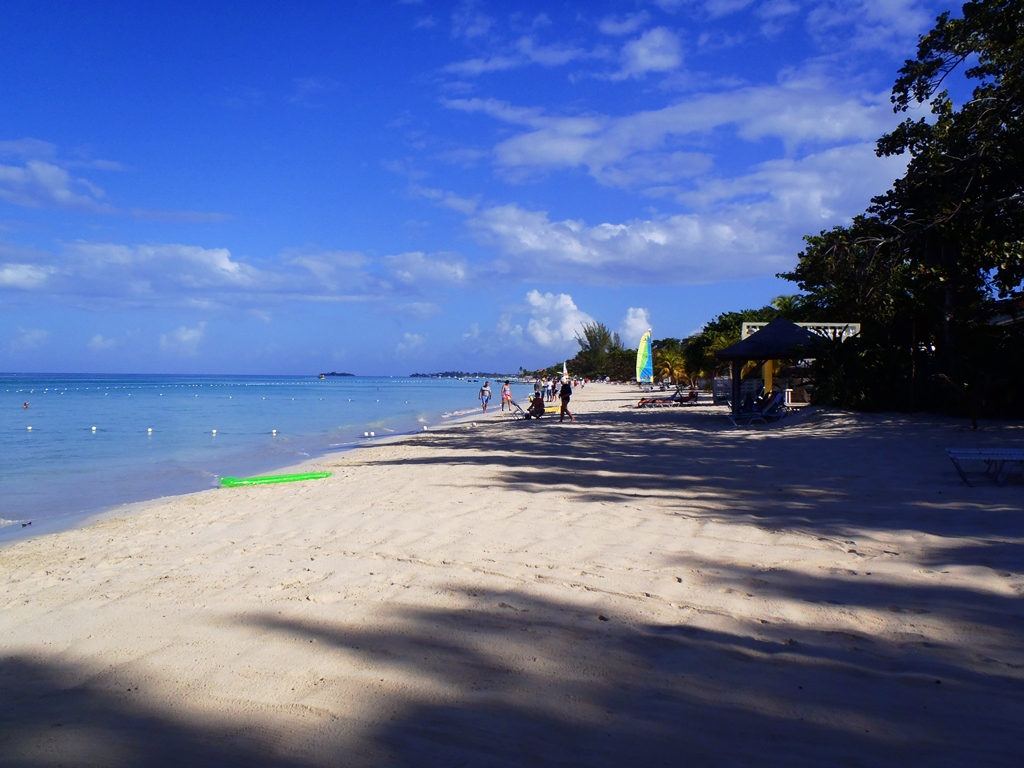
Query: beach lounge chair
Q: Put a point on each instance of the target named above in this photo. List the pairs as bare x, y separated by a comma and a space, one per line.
999, 462
677, 398
774, 410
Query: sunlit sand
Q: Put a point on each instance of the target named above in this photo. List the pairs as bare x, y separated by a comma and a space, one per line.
634, 588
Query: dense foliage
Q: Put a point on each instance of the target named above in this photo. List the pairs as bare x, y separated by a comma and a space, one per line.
925, 267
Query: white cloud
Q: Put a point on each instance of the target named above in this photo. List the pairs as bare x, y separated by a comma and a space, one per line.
99, 343
649, 147
29, 339
744, 227
25, 276
625, 25
335, 271
525, 51
554, 322
470, 24
26, 148
656, 50
634, 325
42, 182
417, 268
891, 25
159, 269
39, 184
409, 342
183, 340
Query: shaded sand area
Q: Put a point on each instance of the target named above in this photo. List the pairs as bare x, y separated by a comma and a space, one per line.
635, 588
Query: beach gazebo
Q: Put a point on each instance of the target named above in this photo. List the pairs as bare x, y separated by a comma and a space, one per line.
779, 340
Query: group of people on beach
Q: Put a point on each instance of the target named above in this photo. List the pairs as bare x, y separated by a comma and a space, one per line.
541, 389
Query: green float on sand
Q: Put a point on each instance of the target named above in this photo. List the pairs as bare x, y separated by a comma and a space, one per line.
234, 482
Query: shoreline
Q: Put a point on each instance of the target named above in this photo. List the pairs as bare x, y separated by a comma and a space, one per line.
628, 587
75, 520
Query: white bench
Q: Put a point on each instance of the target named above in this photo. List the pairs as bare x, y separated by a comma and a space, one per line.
999, 462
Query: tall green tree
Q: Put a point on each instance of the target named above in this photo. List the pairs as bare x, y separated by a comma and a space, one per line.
596, 342
922, 267
958, 211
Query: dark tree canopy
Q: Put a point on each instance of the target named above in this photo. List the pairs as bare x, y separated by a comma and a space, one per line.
923, 266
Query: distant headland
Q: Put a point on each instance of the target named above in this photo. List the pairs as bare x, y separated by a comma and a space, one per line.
462, 375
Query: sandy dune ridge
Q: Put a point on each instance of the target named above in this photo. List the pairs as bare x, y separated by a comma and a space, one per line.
634, 588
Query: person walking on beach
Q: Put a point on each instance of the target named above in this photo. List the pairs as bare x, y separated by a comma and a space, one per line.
485, 395
565, 393
506, 396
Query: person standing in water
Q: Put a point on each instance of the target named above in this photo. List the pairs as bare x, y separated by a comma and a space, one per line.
506, 396
564, 394
485, 395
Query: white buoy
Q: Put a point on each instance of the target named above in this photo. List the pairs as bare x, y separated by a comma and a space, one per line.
365, 434
94, 429
214, 432
30, 429
373, 434
273, 431
424, 429
474, 423
150, 430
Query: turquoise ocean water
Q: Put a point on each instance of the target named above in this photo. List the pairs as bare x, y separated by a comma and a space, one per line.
62, 471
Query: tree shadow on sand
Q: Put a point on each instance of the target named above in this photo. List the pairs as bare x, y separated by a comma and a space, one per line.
511, 679
844, 474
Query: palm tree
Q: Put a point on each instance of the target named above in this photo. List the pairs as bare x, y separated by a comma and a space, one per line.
670, 365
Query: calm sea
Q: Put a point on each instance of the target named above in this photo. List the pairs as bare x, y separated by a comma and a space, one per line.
62, 470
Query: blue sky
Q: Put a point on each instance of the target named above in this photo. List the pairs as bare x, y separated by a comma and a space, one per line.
389, 187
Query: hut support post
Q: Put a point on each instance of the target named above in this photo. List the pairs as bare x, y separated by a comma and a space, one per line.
768, 371
737, 369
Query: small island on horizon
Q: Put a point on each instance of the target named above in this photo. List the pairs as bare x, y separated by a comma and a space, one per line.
332, 373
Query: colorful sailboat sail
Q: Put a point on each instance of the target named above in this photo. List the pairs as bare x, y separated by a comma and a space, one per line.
565, 371
644, 360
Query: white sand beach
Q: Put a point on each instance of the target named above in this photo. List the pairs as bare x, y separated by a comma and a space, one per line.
634, 588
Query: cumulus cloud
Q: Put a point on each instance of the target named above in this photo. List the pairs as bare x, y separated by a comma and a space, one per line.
634, 325
553, 323
656, 50
29, 339
183, 340
99, 343
409, 342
